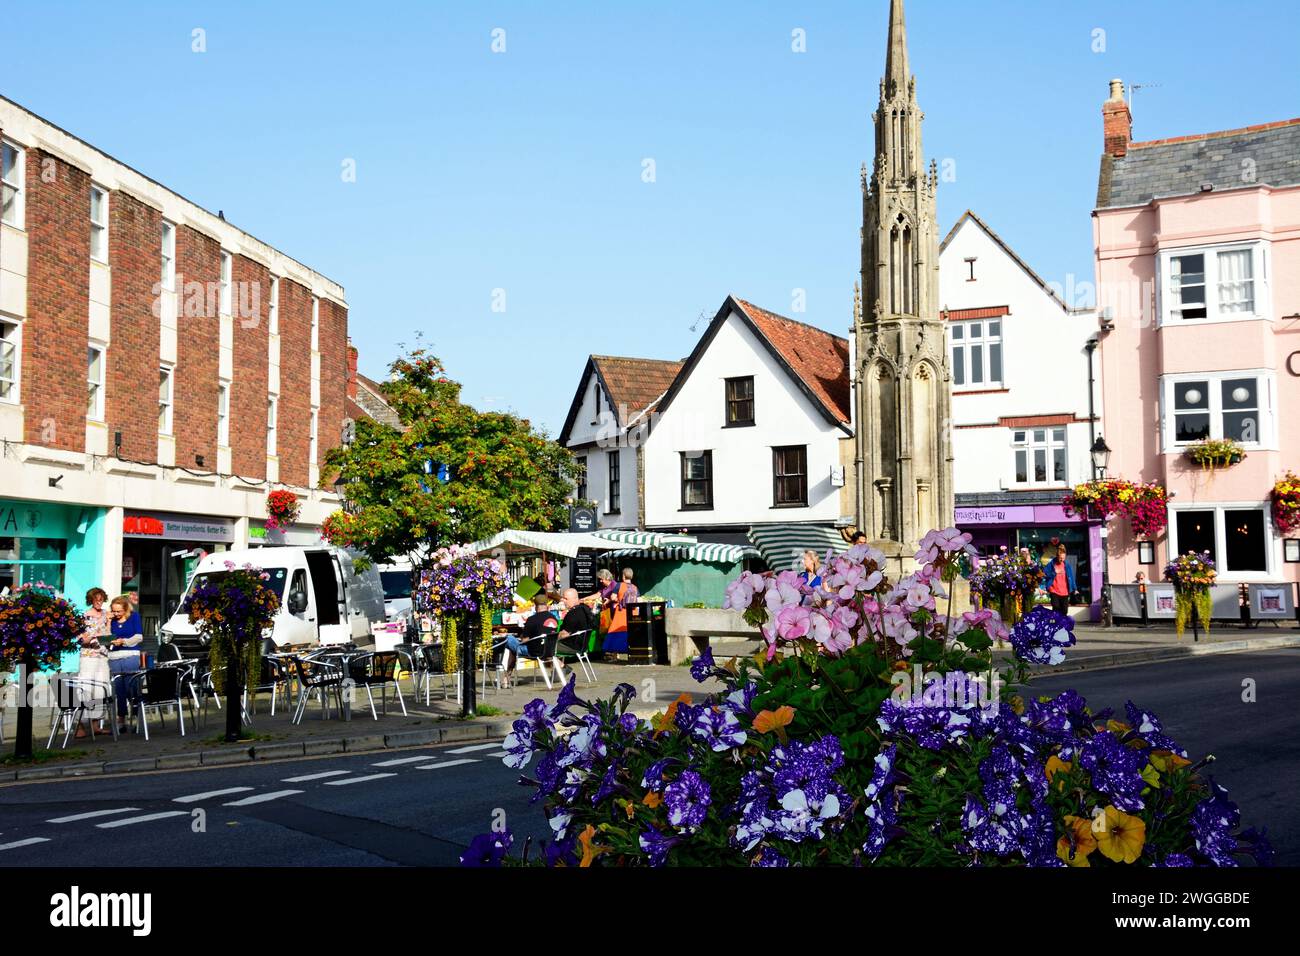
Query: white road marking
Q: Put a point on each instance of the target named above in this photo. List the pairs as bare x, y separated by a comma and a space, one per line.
92, 814
316, 776
470, 750
344, 783
196, 797
144, 819
28, 842
261, 798
401, 760
449, 763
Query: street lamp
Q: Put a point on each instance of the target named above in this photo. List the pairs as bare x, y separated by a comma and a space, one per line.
1100, 457
1100, 452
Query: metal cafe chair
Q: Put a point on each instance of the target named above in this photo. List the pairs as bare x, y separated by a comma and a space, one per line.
432, 663
317, 676
377, 669
576, 646
157, 688
71, 696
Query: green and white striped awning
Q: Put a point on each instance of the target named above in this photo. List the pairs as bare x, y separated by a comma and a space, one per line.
646, 539
783, 545
705, 553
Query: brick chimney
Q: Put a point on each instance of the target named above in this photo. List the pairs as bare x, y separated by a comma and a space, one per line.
352, 371
1116, 121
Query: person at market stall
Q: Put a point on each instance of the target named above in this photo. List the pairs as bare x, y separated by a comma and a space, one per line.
94, 656
538, 629
616, 605
127, 635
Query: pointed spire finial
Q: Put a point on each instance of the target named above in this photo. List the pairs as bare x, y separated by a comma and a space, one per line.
896, 70
857, 304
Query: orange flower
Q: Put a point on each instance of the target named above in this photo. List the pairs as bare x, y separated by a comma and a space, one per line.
1054, 765
663, 723
652, 800
589, 852
769, 720
1075, 846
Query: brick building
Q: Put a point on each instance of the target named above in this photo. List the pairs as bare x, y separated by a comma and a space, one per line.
160, 371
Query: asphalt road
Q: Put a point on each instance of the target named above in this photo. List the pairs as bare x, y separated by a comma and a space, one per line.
420, 807
1200, 702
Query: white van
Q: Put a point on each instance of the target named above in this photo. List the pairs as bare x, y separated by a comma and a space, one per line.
323, 598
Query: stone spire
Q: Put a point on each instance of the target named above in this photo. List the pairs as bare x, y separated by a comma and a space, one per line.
896, 71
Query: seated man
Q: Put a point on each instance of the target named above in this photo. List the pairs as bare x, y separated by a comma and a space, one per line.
579, 620
537, 630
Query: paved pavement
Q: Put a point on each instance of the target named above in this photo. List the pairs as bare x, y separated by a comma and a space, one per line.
420, 806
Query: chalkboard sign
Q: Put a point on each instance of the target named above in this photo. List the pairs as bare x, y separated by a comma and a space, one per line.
582, 520
582, 573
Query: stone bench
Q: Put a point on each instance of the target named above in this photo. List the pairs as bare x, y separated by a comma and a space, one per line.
690, 630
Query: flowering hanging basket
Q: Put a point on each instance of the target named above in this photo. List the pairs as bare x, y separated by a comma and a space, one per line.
1192, 576
1286, 503
1215, 453
1144, 505
281, 509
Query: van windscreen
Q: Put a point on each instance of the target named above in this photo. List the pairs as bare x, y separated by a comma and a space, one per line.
275, 582
397, 584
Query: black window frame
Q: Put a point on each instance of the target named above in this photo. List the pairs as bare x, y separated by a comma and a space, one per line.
731, 401
707, 481
778, 475
614, 482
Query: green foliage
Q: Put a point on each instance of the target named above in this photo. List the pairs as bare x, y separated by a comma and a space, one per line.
503, 472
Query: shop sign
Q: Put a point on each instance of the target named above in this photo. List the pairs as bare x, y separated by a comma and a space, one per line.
178, 527
995, 515
582, 519
20, 521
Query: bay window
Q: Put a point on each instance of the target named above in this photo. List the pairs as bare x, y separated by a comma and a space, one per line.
1214, 284
1236, 405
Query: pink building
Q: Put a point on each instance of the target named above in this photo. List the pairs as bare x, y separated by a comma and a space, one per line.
1198, 277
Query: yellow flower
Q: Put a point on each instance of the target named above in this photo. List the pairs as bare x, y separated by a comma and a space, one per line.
1120, 836
1167, 760
1054, 766
1074, 847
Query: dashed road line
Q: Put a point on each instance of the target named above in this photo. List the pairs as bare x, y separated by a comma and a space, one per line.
351, 780
144, 819
449, 763
28, 842
261, 798
316, 776
92, 814
469, 750
196, 797
401, 760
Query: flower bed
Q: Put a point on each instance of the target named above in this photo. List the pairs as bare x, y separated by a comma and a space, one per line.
1144, 505
1285, 498
872, 730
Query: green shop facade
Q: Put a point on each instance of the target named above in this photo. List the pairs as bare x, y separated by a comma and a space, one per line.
58, 544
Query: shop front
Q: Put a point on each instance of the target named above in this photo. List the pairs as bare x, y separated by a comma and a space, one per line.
1040, 528
160, 552
54, 543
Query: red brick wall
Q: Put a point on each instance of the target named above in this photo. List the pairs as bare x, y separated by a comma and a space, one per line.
333, 374
58, 303
251, 294
134, 252
294, 439
198, 338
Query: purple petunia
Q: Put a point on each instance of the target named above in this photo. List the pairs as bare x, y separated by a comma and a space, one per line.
656, 845
487, 849
1042, 636
1116, 770
687, 799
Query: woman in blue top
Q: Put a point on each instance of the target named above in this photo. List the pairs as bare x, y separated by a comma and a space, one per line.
1058, 581
811, 573
124, 651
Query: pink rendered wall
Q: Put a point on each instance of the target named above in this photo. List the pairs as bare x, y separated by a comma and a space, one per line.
1137, 353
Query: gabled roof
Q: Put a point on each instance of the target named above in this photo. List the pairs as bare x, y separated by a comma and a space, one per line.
370, 403
816, 361
1038, 280
1163, 168
634, 387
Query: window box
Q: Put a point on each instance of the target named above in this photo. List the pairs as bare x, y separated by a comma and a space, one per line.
1212, 453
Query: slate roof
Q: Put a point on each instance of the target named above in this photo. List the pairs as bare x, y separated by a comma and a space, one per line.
1177, 167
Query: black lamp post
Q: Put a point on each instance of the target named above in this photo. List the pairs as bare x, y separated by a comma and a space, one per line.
1100, 452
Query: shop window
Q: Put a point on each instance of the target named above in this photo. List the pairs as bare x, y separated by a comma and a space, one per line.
1245, 540
1196, 532
32, 561
1237, 538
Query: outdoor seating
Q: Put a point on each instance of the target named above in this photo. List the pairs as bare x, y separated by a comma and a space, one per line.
73, 698
274, 677
378, 669
320, 677
431, 662
576, 645
157, 688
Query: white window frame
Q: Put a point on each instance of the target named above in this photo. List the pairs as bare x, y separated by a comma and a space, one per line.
226, 267
1220, 509
315, 430
273, 313
1030, 445
1260, 262
272, 423
99, 228
166, 407
315, 324
985, 341
168, 240
95, 388
17, 182
1266, 395
223, 414
11, 342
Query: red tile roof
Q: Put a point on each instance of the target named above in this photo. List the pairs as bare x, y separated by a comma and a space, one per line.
817, 358
635, 384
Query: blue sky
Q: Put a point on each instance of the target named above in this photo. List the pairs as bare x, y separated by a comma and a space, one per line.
522, 171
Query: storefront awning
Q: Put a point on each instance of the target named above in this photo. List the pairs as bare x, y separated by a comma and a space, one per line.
564, 544
646, 539
782, 545
705, 553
